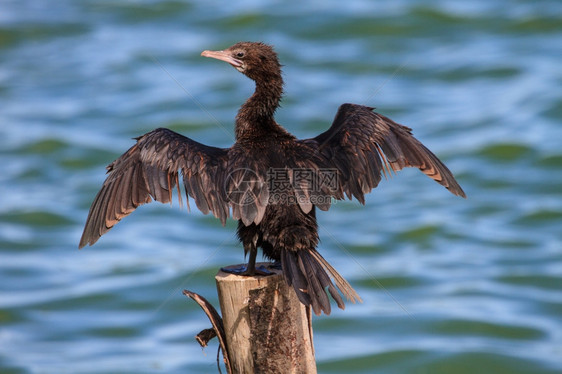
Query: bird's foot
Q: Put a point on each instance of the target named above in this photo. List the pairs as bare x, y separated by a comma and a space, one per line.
244, 271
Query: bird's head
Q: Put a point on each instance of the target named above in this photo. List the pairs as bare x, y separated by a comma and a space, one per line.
255, 60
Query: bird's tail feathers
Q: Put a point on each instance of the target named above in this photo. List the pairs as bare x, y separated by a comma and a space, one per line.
341, 283
307, 271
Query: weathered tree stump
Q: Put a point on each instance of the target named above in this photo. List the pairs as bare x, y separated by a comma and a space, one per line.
267, 329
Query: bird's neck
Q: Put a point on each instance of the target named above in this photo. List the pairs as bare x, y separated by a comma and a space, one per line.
256, 114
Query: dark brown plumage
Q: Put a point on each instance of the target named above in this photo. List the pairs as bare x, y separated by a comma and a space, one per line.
270, 181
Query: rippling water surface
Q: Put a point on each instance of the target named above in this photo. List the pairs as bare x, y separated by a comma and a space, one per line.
449, 285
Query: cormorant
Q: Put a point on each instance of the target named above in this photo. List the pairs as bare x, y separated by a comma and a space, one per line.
270, 181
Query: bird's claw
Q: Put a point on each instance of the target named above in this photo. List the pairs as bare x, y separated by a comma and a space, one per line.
244, 271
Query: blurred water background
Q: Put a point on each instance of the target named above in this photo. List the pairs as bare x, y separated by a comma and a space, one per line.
449, 285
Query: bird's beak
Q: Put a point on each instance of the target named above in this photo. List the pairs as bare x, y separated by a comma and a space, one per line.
223, 56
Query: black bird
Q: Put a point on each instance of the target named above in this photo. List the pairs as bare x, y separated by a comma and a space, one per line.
269, 180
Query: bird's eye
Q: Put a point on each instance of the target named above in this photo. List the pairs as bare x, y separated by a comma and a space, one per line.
240, 54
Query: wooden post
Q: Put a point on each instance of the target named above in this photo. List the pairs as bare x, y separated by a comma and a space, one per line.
267, 329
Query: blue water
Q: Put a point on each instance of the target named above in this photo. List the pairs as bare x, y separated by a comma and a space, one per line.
449, 285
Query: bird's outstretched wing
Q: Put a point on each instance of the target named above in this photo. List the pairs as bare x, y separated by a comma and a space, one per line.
363, 145
149, 170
